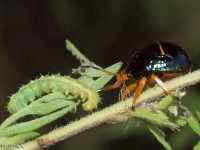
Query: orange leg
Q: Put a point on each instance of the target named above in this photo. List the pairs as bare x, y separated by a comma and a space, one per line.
129, 89
163, 86
139, 89
147, 85
121, 78
113, 86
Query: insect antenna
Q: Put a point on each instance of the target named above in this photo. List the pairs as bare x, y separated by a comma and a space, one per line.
98, 68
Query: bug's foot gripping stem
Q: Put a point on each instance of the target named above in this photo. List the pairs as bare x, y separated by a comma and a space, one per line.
133, 107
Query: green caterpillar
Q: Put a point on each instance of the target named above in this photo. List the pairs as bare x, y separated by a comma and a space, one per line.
55, 83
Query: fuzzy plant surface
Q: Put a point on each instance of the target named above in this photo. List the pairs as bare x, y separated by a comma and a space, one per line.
53, 96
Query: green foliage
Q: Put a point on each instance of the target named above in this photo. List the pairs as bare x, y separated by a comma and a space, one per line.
197, 146
193, 123
51, 106
160, 136
62, 97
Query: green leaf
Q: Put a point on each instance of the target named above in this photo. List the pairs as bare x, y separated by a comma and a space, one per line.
158, 118
75, 52
179, 120
193, 123
165, 102
36, 123
52, 101
197, 146
103, 77
18, 139
160, 136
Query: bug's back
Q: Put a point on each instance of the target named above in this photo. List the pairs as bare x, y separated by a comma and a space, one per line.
158, 58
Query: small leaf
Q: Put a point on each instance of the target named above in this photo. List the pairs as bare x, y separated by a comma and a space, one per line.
103, 77
165, 102
193, 123
158, 118
39, 107
100, 82
36, 123
179, 120
197, 146
160, 136
75, 52
18, 139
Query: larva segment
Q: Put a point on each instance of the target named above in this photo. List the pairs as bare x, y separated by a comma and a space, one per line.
54, 83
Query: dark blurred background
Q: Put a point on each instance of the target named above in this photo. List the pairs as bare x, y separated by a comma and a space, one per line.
32, 42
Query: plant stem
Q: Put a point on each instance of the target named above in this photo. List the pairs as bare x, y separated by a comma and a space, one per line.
113, 114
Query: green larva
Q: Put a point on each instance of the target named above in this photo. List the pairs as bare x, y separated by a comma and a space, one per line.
54, 83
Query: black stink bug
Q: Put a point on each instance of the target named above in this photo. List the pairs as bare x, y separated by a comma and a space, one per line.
152, 64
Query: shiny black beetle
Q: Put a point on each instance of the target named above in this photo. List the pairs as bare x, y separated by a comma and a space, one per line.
154, 63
